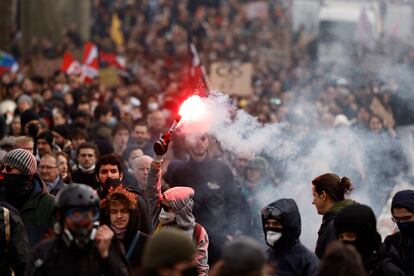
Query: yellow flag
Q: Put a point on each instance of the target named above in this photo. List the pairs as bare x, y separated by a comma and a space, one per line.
116, 33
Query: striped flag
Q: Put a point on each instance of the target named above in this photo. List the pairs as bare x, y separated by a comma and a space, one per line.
70, 65
7, 63
90, 63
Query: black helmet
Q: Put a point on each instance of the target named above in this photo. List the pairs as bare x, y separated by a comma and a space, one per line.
76, 195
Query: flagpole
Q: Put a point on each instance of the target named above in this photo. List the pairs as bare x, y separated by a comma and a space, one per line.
197, 59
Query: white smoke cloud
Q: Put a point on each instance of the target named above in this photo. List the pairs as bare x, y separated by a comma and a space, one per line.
314, 152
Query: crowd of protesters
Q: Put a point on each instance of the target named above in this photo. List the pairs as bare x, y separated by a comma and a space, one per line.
177, 206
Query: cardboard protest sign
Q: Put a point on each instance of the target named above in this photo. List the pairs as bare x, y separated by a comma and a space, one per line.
233, 78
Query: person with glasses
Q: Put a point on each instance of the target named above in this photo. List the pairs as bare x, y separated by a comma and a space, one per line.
402, 210
80, 245
25, 191
49, 173
282, 228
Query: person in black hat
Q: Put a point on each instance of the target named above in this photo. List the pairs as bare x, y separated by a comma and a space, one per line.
356, 225
402, 210
282, 228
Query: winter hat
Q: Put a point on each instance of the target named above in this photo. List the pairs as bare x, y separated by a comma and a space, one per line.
180, 196
27, 116
403, 199
243, 255
8, 143
257, 163
22, 159
356, 218
62, 130
341, 120
25, 98
168, 247
47, 136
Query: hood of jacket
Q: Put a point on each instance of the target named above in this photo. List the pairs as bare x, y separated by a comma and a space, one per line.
290, 219
181, 203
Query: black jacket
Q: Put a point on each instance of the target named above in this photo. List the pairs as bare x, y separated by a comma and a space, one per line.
14, 251
53, 257
326, 233
289, 256
405, 249
81, 177
37, 211
216, 199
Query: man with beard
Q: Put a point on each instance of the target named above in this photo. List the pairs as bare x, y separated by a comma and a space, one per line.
402, 210
81, 246
25, 191
356, 225
216, 199
108, 173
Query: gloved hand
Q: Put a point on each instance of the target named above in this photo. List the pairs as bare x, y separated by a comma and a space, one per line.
161, 146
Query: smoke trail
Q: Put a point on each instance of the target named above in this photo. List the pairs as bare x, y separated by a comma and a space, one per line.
360, 156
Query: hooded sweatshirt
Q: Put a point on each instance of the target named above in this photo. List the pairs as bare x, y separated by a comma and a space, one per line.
181, 202
402, 241
288, 256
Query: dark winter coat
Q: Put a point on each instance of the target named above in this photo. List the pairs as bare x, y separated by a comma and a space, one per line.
53, 257
14, 251
326, 233
216, 199
81, 177
289, 256
37, 213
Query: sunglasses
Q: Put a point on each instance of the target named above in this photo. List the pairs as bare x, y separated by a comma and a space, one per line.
165, 207
271, 212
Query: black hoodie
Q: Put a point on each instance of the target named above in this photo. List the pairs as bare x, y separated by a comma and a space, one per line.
288, 256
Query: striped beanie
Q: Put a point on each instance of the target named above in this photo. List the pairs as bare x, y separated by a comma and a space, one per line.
22, 159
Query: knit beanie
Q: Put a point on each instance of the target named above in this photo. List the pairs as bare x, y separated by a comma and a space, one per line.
22, 159
62, 130
47, 136
167, 248
27, 116
403, 199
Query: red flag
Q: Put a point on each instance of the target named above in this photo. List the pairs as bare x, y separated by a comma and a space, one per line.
70, 65
112, 59
90, 67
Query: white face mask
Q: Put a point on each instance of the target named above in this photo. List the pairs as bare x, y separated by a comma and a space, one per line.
272, 237
166, 217
152, 106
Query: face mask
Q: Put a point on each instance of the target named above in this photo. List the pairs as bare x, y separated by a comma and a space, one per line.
272, 237
152, 106
17, 185
109, 183
33, 130
113, 121
80, 237
166, 217
192, 271
406, 228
